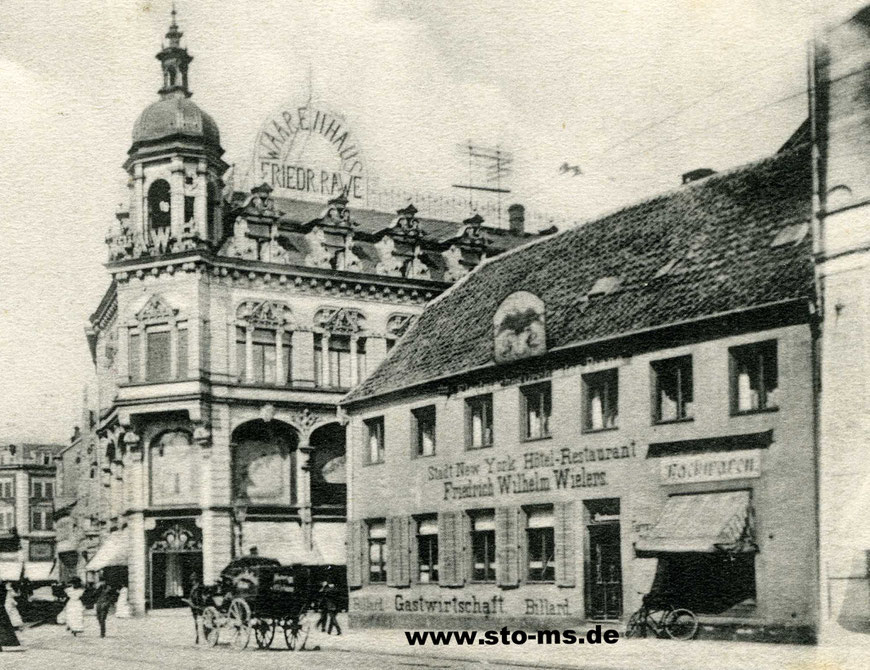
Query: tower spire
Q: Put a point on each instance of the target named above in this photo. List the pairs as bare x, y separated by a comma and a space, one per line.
174, 60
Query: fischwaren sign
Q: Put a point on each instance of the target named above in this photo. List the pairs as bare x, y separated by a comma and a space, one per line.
307, 151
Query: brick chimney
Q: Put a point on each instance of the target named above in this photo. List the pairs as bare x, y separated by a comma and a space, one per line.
517, 219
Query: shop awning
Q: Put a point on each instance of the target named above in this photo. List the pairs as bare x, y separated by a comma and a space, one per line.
38, 571
10, 571
702, 523
329, 543
113, 551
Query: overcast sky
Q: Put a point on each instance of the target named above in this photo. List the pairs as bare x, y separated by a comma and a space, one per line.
673, 84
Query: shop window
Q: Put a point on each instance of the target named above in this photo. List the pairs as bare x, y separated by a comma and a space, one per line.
721, 583
423, 430
478, 422
536, 408
601, 400
483, 546
7, 488
674, 392
427, 550
754, 377
375, 439
41, 551
377, 541
540, 545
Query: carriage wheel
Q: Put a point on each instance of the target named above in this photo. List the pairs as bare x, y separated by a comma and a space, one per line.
292, 629
264, 632
211, 625
239, 620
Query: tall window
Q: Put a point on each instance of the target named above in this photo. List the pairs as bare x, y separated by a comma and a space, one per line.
427, 550
7, 488
263, 343
42, 489
536, 407
754, 377
41, 518
377, 552
157, 354
7, 516
159, 204
264, 355
338, 372
423, 420
601, 400
673, 389
478, 422
483, 546
540, 545
375, 439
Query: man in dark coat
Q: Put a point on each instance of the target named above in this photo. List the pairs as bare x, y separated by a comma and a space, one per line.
106, 596
8, 638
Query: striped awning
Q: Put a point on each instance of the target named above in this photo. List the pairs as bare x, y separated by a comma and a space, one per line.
113, 551
702, 523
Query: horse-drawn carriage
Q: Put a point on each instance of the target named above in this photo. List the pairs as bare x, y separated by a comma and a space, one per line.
256, 596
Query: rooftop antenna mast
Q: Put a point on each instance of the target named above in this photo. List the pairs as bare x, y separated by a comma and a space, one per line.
488, 167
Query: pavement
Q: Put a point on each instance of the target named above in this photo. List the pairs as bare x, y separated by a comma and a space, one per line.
165, 641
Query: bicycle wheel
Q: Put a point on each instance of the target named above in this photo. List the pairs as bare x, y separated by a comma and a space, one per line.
635, 626
681, 624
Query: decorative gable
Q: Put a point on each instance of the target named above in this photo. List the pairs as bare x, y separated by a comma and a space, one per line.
341, 321
266, 313
157, 309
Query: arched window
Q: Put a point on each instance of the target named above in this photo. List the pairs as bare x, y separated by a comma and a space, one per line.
328, 467
339, 350
172, 468
159, 204
264, 463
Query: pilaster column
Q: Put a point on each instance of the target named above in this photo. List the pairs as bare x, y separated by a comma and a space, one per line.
324, 360
354, 363
202, 439
143, 354
176, 198
249, 354
279, 357
173, 350
194, 338
136, 525
199, 204
303, 488
138, 215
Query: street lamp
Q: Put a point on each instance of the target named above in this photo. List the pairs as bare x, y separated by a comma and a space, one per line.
240, 511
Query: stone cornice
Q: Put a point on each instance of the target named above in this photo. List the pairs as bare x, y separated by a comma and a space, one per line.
314, 281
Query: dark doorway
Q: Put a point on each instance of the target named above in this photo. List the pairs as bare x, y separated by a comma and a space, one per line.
603, 560
171, 577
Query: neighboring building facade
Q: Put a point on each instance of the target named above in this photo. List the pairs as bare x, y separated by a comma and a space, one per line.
621, 408
230, 331
27, 500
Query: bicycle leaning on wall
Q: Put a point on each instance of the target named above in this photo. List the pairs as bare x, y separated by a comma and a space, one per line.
663, 619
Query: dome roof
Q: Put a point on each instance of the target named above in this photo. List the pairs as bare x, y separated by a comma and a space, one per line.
175, 115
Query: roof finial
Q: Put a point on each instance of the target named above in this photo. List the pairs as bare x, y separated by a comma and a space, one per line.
174, 60
174, 34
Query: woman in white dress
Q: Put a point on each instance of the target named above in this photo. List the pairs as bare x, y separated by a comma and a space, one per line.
75, 611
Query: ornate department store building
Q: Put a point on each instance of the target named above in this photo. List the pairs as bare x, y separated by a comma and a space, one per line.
231, 328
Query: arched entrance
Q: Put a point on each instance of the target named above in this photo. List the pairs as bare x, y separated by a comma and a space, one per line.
328, 478
175, 558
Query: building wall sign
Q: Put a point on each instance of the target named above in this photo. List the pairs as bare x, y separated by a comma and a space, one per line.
531, 472
721, 466
519, 326
307, 151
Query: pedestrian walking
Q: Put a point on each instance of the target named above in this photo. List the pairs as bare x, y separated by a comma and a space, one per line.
107, 594
75, 610
11, 605
8, 638
330, 607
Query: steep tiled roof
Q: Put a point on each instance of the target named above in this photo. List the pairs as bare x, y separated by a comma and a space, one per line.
701, 250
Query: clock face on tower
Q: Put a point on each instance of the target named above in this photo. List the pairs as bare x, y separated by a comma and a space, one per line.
519, 327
